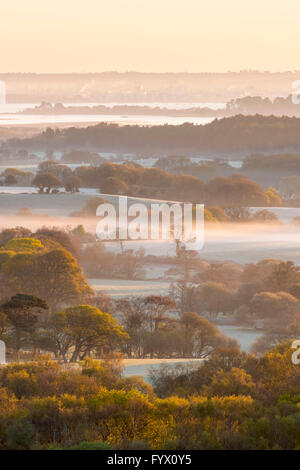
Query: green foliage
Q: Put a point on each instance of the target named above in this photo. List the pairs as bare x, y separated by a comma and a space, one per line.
20, 435
85, 445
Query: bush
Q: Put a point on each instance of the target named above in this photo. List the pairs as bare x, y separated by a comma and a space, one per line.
95, 445
20, 435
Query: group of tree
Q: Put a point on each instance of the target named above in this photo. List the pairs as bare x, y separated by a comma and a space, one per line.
52, 175
135, 180
250, 134
232, 401
266, 293
70, 335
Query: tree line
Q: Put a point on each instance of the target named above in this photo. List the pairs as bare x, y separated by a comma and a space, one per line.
246, 134
134, 180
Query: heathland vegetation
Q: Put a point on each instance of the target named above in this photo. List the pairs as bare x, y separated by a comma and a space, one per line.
233, 401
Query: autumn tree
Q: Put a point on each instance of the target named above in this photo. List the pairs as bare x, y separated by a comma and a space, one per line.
113, 185
72, 184
200, 337
9, 233
46, 181
228, 383
23, 312
133, 318
213, 297
283, 276
274, 307
77, 331
53, 274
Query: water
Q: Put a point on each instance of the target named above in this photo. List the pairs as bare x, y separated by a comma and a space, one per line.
245, 337
144, 120
19, 107
31, 119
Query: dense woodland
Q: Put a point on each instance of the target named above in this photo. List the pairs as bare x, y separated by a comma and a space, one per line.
238, 134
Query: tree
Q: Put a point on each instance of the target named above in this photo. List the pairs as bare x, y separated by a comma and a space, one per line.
200, 336
82, 329
10, 180
155, 308
235, 191
230, 383
59, 235
246, 292
227, 274
187, 188
274, 307
72, 184
20, 435
273, 198
213, 297
283, 276
46, 181
61, 171
113, 185
9, 233
23, 312
133, 317
182, 294
24, 245
52, 274
265, 216
129, 263
294, 290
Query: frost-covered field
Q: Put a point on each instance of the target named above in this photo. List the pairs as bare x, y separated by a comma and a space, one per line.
118, 288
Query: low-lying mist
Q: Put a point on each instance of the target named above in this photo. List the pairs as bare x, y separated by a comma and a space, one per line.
239, 242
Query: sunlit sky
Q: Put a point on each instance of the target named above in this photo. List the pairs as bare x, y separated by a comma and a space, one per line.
149, 35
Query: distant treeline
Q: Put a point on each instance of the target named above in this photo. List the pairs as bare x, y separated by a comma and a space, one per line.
248, 105
239, 134
124, 109
265, 169
258, 105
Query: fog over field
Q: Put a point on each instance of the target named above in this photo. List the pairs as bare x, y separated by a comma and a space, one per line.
242, 243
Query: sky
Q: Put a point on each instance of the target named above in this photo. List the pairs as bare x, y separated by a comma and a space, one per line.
149, 35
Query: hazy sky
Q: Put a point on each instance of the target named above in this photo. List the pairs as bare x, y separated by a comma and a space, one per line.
149, 35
